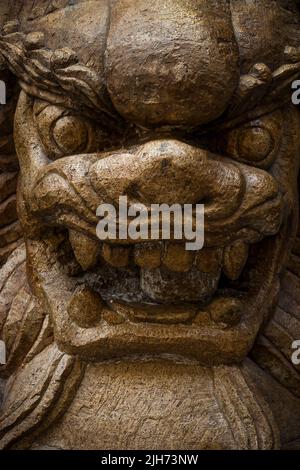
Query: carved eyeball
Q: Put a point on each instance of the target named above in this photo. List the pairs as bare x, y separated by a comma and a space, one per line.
63, 134
256, 143
71, 135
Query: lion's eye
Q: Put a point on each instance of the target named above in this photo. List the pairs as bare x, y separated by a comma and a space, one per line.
64, 133
70, 135
255, 143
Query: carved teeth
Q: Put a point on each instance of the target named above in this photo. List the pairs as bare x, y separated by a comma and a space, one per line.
176, 258
147, 255
117, 256
209, 260
85, 249
235, 258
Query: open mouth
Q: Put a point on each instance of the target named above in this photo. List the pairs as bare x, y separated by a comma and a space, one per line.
155, 297
162, 282
110, 301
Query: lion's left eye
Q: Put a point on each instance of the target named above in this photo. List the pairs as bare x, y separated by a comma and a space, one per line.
255, 143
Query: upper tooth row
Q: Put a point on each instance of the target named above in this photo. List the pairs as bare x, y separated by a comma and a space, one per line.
151, 255
234, 259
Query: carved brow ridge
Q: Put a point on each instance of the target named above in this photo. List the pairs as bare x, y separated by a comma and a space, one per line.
58, 76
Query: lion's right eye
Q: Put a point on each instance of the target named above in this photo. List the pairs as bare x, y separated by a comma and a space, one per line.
64, 133
71, 135
252, 144
256, 143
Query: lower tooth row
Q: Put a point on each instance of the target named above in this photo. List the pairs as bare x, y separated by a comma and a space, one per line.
151, 255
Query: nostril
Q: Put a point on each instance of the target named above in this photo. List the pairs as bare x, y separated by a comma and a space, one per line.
134, 192
206, 201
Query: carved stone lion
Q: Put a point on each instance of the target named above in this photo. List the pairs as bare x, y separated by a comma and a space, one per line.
145, 345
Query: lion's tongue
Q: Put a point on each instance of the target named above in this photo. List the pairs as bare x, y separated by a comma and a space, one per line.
162, 285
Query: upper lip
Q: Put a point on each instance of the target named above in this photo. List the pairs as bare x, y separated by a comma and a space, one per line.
251, 224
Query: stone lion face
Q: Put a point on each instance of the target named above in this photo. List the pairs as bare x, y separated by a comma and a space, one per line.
172, 107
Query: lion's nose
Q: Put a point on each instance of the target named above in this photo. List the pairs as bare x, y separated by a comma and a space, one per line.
170, 171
